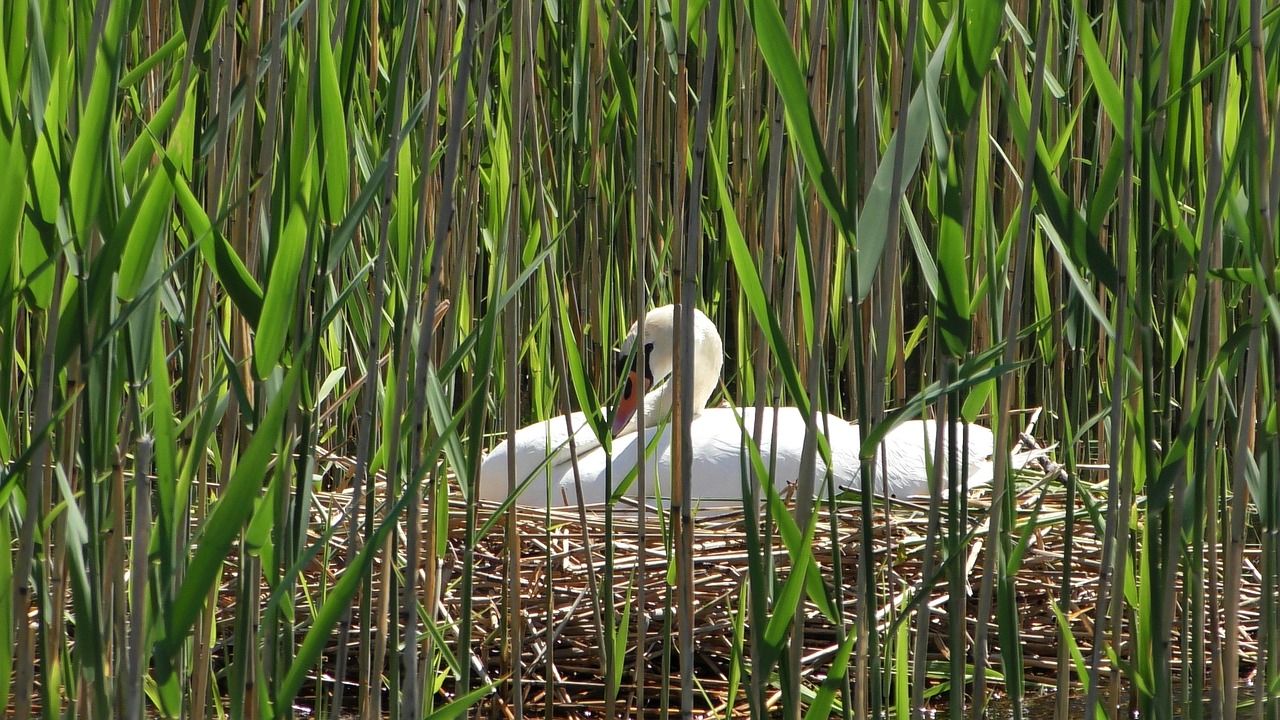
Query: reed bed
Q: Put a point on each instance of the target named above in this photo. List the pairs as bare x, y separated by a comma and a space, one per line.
275, 273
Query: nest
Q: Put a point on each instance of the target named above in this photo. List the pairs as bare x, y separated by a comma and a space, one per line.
562, 580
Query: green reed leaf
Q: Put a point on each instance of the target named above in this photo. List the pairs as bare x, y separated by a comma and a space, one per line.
969, 56
143, 151
873, 223
13, 165
1104, 83
278, 305
152, 212
783, 613
88, 177
780, 57
217, 251
824, 700
224, 523
331, 112
753, 290
953, 277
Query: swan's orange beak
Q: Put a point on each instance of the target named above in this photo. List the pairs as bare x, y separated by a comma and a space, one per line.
631, 394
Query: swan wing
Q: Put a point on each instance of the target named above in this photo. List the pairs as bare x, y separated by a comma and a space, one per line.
599, 474
541, 451
908, 453
721, 457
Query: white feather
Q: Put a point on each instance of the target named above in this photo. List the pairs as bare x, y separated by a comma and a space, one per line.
720, 460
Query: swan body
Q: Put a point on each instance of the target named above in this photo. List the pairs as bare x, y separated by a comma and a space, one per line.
720, 456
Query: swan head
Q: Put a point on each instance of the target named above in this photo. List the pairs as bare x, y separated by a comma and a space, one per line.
649, 367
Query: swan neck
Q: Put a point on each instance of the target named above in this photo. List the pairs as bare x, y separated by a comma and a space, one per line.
708, 360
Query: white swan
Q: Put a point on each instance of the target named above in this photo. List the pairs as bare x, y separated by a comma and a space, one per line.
542, 450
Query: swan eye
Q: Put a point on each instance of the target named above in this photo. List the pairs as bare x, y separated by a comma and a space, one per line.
624, 366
